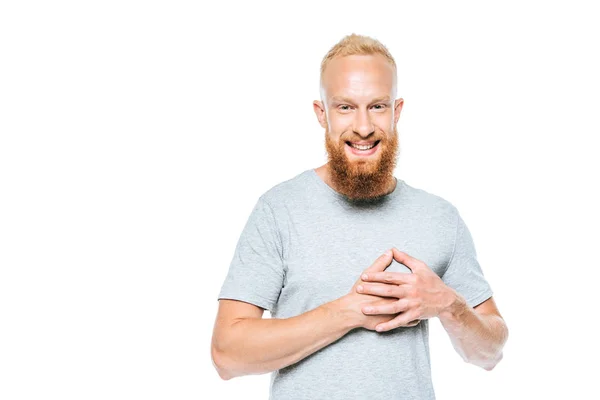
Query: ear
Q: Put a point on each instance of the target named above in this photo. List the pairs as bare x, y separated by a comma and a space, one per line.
320, 113
397, 108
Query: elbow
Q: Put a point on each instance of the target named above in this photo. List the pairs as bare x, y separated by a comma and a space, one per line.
224, 359
488, 363
228, 361
221, 359
219, 364
499, 355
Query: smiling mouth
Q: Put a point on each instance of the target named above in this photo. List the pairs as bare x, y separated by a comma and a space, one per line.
363, 147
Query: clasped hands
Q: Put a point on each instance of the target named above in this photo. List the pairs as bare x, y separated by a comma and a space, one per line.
418, 295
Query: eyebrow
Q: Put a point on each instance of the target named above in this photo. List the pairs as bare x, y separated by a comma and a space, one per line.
339, 99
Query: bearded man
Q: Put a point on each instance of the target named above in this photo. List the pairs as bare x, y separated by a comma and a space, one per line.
352, 261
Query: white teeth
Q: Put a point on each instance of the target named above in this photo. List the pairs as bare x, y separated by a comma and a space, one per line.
362, 147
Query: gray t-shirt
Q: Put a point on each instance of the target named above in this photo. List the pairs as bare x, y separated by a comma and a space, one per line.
305, 244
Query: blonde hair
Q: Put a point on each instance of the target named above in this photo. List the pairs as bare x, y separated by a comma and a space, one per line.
354, 44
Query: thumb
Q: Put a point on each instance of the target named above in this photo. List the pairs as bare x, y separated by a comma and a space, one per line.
409, 261
381, 263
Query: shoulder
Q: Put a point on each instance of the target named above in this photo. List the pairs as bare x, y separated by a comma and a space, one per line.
428, 203
287, 191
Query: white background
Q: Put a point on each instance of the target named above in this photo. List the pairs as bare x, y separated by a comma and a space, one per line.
137, 136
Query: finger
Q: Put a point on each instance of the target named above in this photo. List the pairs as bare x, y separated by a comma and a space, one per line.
401, 320
381, 263
390, 308
407, 260
398, 278
381, 289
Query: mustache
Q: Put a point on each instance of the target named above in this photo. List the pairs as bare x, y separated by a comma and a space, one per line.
362, 140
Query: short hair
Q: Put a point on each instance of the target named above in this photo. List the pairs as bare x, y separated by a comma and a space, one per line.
354, 44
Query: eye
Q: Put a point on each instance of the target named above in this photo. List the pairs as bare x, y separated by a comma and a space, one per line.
379, 105
342, 107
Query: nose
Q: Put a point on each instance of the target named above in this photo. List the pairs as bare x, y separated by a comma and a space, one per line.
362, 123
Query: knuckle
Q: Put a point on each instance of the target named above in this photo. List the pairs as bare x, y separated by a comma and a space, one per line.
404, 305
417, 305
399, 306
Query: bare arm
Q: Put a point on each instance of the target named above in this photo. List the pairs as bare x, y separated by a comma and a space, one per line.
244, 343
477, 334
254, 345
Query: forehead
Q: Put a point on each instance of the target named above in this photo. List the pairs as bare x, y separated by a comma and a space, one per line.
358, 77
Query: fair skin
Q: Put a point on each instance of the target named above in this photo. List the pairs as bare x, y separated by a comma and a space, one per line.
244, 343
356, 106
353, 110
478, 334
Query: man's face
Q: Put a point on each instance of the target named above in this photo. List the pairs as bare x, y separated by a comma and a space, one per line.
359, 108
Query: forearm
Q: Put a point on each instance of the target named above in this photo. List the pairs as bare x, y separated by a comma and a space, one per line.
256, 345
478, 338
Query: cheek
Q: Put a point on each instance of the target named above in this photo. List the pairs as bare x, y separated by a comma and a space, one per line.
336, 137
340, 123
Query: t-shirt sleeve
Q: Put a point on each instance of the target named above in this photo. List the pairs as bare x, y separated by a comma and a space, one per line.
256, 272
464, 274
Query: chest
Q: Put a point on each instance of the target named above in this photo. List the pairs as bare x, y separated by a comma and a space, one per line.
326, 259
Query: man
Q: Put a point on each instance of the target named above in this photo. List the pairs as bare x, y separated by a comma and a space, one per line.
336, 333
